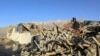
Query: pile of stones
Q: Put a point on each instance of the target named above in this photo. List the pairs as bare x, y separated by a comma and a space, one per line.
64, 43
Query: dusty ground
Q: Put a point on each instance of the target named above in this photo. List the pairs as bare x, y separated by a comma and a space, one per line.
3, 50
8, 47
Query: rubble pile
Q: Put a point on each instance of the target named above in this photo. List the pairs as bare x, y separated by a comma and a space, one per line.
72, 39
62, 42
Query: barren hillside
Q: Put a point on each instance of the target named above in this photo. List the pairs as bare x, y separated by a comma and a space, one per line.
3, 31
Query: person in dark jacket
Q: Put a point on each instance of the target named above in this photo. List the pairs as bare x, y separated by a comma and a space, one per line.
75, 24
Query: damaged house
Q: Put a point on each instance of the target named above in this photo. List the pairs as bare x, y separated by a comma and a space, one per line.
22, 33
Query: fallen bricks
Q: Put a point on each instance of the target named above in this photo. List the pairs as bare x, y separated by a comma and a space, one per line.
66, 43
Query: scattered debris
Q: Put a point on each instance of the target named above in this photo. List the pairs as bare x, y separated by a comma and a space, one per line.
74, 39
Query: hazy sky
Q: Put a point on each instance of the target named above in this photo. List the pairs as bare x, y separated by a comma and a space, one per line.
16, 11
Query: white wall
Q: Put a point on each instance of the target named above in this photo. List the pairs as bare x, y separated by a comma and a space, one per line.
22, 38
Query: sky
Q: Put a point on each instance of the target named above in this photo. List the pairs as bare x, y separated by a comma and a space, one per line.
20, 11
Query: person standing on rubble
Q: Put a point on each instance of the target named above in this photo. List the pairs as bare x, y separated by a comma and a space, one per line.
75, 24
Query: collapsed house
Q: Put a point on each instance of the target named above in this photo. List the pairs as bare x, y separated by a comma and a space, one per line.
21, 33
57, 41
